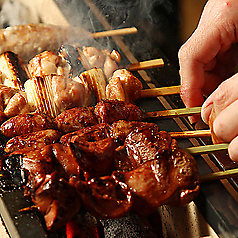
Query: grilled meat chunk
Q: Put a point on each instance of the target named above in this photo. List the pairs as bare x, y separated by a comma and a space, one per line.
66, 158
42, 37
47, 63
166, 180
12, 69
75, 119
88, 134
12, 102
120, 129
34, 140
26, 123
95, 158
105, 59
146, 144
57, 200
109, 111
104, 198
124, 86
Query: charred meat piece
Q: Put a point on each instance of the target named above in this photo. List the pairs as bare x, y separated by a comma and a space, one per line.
13, 70
57, 200
26, 123
47, 63
95, 158
109, 111
146, 144
75, 119
104, 198
29, 167
65, 156
120, 129
88, 134
162, 181
142, 143
124, 86
34, 140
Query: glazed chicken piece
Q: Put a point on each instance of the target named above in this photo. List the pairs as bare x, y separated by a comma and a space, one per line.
47, 63
119, 130
26, 123
89, 134
52, 192
13, 71
144, 144
167, 180
124, 86
95, 158
109, 111
75, 119
32, 141
104, 198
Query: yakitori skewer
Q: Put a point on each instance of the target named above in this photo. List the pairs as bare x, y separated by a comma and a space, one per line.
148, 64
219, 175
207, 148
155, 92
181, 112
118, 32
190, 134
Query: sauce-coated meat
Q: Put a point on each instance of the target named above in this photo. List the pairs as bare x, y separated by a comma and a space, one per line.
75, 119
109, 111
26, 123
34, 140
172, 180
104, 198
88, 134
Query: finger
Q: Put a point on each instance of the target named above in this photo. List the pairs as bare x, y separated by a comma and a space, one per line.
233, 149
221, 98
225, 124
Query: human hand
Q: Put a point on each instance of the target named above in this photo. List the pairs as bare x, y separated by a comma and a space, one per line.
223, 102
210, 54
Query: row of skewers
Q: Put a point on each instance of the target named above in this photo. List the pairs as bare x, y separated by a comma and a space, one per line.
52, 84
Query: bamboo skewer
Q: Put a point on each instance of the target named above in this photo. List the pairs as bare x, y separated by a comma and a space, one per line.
123, 31
155, 92
173, 113
206, 148
148, 64
218, 175
190, 134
